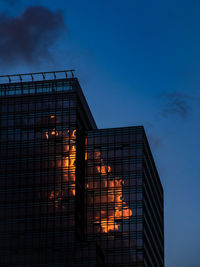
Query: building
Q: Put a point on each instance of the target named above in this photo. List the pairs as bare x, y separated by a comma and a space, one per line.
124, 197
71, 194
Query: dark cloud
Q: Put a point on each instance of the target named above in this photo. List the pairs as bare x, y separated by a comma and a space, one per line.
28, 37
176, 104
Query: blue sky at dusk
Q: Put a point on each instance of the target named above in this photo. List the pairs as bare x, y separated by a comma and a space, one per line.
138, 63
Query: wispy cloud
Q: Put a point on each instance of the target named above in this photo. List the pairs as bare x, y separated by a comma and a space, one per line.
29, 37
176, 104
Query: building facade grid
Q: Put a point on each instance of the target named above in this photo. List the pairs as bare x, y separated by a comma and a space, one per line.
71, 194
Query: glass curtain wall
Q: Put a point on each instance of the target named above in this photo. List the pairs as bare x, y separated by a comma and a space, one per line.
38, 176
114, 193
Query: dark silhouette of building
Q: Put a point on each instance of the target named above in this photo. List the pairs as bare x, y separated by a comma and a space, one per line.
124, 197
71, 194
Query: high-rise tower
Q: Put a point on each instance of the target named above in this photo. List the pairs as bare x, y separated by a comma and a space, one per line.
73, 195
124, 197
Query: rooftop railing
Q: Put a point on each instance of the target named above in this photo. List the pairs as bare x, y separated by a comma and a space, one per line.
37, 76
34, 83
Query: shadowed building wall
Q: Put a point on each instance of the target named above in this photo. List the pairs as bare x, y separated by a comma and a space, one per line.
124, 197
42, 187
73, 195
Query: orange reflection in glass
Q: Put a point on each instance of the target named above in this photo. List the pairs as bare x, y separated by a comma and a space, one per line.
68, 163
52, 133
108, 195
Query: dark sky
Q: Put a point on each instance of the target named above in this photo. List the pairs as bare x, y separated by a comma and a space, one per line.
138, 63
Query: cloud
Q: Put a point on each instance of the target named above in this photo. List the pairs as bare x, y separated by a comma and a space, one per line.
176, 104
29, 37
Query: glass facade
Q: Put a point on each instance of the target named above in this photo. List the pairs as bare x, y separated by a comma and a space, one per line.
42, 193
114, 193
73, 195
119, 174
